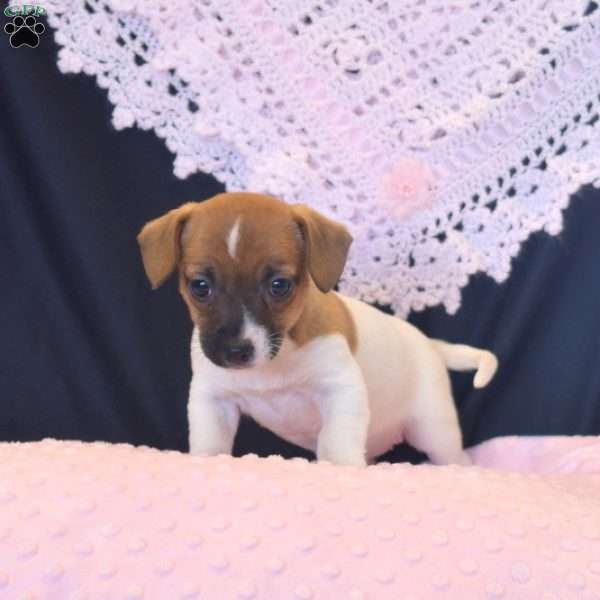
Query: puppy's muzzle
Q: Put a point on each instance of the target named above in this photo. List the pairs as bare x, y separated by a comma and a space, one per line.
238, 353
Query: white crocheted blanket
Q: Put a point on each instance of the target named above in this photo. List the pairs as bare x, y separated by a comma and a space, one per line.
441, 132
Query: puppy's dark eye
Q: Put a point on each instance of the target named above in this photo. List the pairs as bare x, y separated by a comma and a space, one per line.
200, 287
281, 287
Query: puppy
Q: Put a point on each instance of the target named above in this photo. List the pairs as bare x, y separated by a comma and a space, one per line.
273, 341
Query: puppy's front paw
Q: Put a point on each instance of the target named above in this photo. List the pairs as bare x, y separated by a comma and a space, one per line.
342, 457
464, 460
200, 449
460, 458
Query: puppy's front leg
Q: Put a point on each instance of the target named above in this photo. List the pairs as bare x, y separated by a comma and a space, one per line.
345, 419
213, 422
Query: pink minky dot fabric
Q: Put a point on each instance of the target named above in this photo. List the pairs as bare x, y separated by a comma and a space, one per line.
113, 522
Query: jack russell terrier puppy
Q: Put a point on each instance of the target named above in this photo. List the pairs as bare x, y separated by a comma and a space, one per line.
274, 341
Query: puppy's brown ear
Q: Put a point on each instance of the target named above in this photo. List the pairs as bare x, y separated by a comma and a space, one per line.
159, 243
327, 245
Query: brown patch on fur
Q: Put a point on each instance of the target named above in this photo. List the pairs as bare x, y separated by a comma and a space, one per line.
275, 239
327, 244
268, 238
266, 232
159, 243
324, 314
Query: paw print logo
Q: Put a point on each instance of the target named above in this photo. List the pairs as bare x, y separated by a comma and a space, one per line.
24, 31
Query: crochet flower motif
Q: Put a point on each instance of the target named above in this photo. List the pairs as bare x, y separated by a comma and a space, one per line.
408, 187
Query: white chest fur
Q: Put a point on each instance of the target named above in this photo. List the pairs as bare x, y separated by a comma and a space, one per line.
345, 407
293, 414
287, 395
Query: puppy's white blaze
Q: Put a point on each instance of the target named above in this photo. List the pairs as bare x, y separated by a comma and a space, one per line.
259, 337
233, 237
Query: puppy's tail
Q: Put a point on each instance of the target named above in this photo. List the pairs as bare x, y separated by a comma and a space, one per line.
459, 357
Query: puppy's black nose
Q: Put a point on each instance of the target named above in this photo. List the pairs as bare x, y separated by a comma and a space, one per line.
239, 353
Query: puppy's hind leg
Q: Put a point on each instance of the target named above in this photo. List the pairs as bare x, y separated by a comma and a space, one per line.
434, 429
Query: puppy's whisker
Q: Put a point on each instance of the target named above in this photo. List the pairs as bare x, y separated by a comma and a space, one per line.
275, 341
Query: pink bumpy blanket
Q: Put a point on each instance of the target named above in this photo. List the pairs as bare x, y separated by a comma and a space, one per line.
112, 522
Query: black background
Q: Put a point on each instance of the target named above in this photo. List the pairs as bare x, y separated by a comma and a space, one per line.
89, 352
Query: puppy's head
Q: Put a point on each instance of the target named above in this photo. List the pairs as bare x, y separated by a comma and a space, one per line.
245, 264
